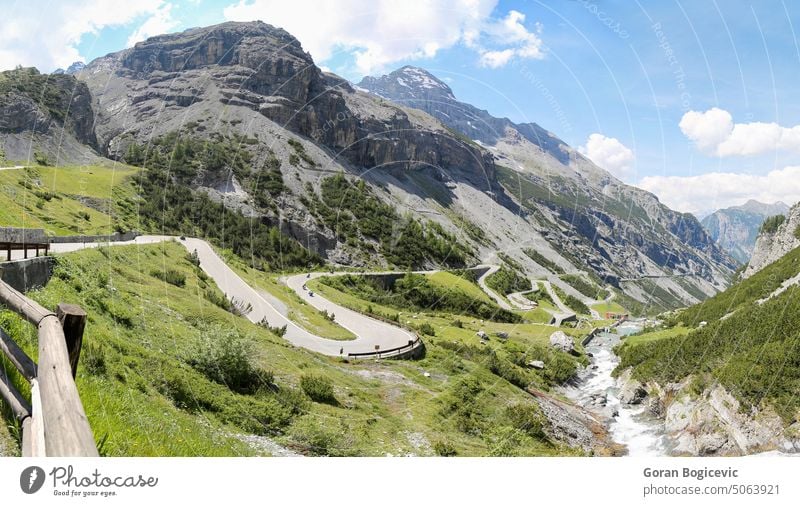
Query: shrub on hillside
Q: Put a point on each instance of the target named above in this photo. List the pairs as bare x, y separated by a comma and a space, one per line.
527, 418
318, 388
171, 276
225, 357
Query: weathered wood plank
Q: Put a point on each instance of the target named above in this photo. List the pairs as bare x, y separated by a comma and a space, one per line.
19, 406
33, 444
66, 428
16, 301
21, 361
73, 321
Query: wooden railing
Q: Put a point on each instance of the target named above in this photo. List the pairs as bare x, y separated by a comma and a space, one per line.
54, 423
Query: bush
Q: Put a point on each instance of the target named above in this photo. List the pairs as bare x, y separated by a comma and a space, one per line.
527, 418
171, 276
278, 331
427, 329
444, 449
461, 405
225, 357
318, 388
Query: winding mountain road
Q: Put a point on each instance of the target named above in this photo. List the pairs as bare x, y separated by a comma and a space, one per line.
371, 334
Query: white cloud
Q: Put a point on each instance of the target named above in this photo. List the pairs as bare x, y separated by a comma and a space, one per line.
161, 21
47, 38
510, 31
715, 133
610, 154
382, 32
717, 190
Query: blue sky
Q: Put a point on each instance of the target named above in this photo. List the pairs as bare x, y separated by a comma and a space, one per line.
694, 100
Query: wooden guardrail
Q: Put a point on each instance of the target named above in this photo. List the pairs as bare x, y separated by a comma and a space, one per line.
54, 423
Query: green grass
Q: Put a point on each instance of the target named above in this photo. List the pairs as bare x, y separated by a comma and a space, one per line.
450, 281
69, 200
141, 387
608, 307
655, 335
299, 311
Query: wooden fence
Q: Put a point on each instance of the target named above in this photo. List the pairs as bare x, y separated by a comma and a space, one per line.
54, 423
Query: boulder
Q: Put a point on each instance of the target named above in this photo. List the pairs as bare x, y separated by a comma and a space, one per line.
536, 364
562, 341
482, 335
631, 391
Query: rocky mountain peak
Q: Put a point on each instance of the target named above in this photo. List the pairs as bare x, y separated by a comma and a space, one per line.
408, 83
252, 44
754, 206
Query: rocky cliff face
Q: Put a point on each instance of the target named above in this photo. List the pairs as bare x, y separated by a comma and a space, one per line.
617, 231
736, 228
263, 68
709, 423
51, 110
770, 246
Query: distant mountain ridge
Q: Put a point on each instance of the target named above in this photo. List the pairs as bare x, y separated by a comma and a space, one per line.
615, 230
736, 228
418, 88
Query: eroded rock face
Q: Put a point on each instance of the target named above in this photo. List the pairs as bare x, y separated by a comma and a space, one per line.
561, 341
19, 113
264, 68
772, 246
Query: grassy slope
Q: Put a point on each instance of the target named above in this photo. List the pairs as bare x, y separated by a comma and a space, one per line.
64, 213
451, 281
300, 312
139, 390
754, 352
609, 307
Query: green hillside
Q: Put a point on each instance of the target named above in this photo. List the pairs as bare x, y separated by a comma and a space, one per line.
164, 355
754, 352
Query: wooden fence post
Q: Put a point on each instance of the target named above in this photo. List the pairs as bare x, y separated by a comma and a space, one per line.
73, 321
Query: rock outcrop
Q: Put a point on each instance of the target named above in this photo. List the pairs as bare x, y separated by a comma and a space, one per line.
711, 422
771, 246
561, 341
54, 111
736, 228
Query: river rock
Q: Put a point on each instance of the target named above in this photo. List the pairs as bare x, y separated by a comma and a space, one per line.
631, 391
562, 341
